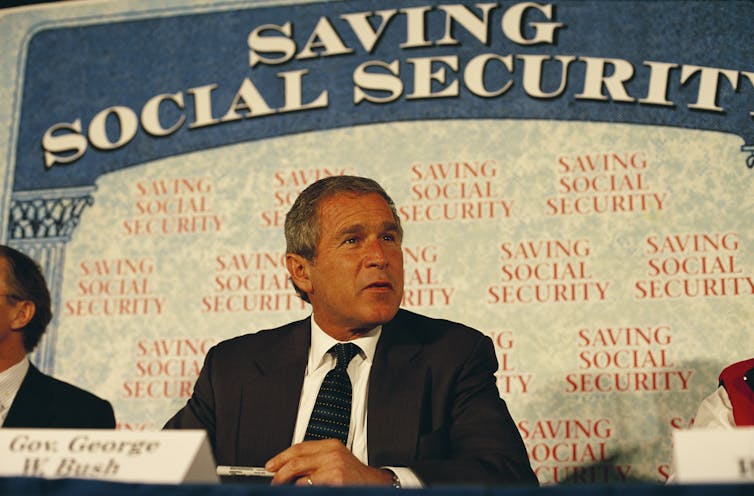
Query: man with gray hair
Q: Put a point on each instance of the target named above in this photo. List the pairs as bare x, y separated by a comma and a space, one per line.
360, 392
29, 398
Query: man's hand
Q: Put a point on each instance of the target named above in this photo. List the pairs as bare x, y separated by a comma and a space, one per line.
325, 462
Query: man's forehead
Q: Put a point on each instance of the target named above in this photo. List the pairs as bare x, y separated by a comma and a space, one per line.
331, 213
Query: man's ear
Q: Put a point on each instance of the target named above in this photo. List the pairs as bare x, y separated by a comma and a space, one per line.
298, 268
22, 313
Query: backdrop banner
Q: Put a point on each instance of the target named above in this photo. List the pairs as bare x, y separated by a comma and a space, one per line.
574, 179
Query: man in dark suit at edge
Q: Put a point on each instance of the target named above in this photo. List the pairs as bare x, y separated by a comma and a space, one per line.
29, 398
426, 410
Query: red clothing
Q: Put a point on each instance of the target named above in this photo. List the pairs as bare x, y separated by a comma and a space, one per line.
740, 393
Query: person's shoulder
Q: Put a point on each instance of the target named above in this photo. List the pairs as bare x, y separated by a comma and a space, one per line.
66, 392
261, 339
70, 406
736, 369
431, 329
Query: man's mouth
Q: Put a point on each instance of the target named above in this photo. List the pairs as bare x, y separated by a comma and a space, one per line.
380, 285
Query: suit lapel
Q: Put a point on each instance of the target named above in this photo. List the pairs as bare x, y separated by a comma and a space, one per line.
396, 390
270, 396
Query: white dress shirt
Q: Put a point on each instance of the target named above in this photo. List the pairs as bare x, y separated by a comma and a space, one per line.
715, 411
10, 383
320, 362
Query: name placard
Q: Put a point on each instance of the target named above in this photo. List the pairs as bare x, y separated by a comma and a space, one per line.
163, 457
714, 455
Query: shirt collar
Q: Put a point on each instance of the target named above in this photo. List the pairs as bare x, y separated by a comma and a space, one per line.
10, 381
321, 343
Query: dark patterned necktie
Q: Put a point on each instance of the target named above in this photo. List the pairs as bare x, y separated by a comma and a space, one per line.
331, 416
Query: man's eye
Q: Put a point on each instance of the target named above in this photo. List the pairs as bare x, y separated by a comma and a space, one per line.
350, 241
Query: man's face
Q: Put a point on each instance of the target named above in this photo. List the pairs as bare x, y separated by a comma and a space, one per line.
9, 308
356, 278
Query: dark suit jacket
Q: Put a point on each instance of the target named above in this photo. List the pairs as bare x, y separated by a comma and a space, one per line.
433, 404
43, 401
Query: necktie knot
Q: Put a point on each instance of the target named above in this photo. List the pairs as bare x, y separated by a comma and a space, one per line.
344, 353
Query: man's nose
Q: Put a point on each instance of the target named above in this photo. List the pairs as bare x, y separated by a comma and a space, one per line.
375, 254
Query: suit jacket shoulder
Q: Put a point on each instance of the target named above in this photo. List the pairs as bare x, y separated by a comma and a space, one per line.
412, 328
260, 344
45, 402
248, 389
